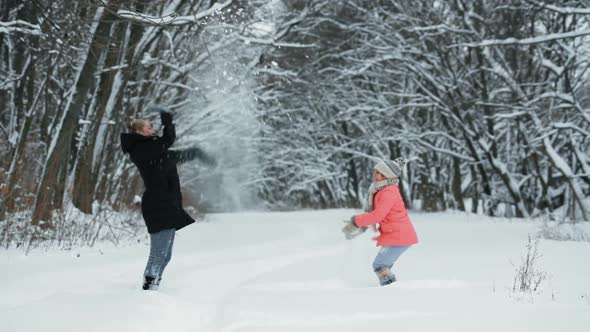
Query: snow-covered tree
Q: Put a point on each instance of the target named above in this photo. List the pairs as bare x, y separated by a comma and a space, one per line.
486, 100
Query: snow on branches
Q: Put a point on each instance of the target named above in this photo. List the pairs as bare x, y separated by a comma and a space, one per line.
172, 19
21, 27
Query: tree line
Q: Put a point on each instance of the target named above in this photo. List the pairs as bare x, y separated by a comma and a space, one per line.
488, 100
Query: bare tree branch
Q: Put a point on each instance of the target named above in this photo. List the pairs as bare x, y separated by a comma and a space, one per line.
562, 10
171, 19
526, 41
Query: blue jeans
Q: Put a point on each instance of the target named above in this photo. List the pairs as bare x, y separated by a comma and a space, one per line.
160, 253
387, 256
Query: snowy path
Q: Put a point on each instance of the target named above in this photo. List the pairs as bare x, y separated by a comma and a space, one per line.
294, 272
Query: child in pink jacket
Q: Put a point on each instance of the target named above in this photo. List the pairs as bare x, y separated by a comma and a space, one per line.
385, 208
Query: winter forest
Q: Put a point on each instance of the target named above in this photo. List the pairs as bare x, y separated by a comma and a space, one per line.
489, 101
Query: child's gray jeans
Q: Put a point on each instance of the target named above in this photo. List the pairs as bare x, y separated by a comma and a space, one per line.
387, 256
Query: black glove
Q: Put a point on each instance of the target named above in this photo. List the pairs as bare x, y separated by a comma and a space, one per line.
182, 156
207, 159
166, 117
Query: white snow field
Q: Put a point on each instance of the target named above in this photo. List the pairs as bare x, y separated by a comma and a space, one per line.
263, 272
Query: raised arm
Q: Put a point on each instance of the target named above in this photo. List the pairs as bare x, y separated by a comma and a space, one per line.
181, 156
169, 131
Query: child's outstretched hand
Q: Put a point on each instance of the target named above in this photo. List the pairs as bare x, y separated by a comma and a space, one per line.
351, 230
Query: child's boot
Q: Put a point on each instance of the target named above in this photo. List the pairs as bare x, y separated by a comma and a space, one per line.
385, 276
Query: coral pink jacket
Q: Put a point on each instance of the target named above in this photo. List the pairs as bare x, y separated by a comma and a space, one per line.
390, 213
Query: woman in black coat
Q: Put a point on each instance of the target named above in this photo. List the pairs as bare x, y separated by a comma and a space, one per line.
161, 204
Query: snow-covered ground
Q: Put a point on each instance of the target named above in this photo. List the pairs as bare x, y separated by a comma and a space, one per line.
294, 272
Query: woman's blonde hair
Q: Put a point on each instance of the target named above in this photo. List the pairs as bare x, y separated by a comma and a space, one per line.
135, 125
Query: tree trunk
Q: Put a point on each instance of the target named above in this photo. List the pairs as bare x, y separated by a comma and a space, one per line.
85, 177
28, 82
16, 166
456, 185
476, 192
51, 189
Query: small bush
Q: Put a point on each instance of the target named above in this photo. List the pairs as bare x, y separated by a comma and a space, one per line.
529, 278
70, 228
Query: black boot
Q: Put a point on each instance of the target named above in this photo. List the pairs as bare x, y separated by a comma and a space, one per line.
150, 283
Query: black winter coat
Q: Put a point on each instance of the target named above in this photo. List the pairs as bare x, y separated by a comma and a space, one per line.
161, 205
